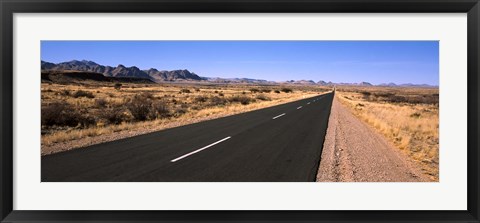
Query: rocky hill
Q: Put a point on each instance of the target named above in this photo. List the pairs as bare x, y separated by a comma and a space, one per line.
121, 71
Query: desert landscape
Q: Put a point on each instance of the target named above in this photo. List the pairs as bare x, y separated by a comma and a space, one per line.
124, 123
77, 113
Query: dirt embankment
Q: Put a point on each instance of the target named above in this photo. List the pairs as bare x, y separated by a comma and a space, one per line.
353, 152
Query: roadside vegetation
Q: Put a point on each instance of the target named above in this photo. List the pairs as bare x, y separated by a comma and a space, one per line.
76, 112
408, 117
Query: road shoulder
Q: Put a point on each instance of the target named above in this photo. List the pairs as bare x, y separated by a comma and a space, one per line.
354, 152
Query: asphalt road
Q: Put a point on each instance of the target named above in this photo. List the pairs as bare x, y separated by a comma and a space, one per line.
277, 144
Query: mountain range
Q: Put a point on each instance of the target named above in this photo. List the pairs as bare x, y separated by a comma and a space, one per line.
184, 75
122, 71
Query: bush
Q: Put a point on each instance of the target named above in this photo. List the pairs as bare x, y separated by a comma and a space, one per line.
101, 103
114, 115
64, 114
286, 90
220, 94
160, 110
66, 93
254, 90
140, 107
50, 113
381, 94
180, 111
365, 93
214, 101
265, 90
185, 91
147, 94
277, 91
262, 97
201, 99
81, 93
415, 115
117, 86
241, 99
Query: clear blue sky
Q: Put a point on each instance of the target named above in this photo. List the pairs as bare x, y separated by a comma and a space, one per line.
337, 61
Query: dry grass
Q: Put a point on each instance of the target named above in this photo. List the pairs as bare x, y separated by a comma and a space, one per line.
410, 124
139, 108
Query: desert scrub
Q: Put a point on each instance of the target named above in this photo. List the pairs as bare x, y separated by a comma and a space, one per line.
262, 97
64, 114
108, 113
244, 100
81, 93
412, 126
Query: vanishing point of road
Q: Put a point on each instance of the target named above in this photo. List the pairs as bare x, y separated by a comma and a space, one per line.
282, 143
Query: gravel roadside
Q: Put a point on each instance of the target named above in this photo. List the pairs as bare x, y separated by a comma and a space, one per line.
354, 152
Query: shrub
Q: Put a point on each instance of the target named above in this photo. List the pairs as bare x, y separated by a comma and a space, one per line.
415, 115
52, 112
140, 107
286, 90
214, 101
383, 94
180, 111
114, 115
241, 99
277, 91
265, 90
101, 103
147, 94
85, 119
64, 114
117, 86
66, 92
220, 94
185, 91
262, 97
160, 110
81, 93
254, 90
365, 93
201, 99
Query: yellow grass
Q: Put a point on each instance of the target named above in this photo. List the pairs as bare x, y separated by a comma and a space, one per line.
412, 128
194, 111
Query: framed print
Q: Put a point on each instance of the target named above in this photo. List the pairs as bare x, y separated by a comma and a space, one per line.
242, 111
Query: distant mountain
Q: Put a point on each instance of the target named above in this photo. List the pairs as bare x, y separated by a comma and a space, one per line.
322, 83
172, 75
185, 75
301, 82
365, 84
238, 80
121, 71
388, 85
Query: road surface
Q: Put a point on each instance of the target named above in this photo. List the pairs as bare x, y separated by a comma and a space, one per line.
277, 144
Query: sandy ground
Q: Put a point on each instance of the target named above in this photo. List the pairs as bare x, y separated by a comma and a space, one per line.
354, 152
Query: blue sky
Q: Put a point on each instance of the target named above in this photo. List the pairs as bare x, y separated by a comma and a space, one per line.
337, 61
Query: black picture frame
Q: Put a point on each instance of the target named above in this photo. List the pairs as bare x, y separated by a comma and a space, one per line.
9, 7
